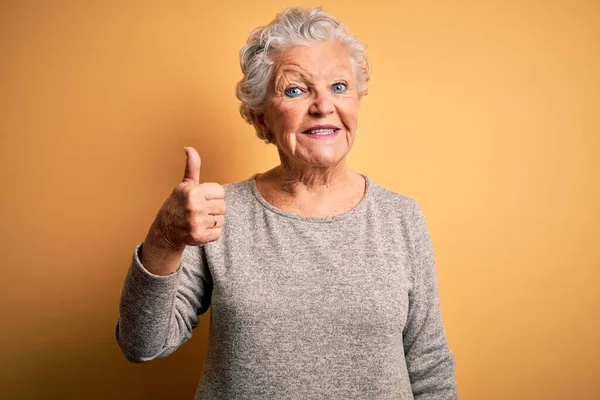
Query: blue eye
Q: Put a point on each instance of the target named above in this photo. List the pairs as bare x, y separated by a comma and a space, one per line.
293, 92
339, 87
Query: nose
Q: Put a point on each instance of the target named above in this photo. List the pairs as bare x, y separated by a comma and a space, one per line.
321, 105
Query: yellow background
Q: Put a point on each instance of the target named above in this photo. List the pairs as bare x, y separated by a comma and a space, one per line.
485, 112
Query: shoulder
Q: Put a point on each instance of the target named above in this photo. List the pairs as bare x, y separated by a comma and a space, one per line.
392, 202
399, 209
235, 190
406, 216
239, 196
410, 216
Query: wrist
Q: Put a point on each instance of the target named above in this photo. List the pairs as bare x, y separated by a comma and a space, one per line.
159, 239
159, 255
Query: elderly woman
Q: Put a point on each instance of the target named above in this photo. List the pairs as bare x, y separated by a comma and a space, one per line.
322, 283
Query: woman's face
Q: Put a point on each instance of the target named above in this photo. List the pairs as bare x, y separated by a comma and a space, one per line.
312, 105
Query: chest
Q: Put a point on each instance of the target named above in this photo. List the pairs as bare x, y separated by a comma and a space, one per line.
336, 280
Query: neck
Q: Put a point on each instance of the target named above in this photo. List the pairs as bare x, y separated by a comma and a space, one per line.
295, 180
312, 192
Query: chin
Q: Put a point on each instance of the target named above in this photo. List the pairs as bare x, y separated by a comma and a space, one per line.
326, 161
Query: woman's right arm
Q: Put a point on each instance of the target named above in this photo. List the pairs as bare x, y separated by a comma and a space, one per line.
168, 283
158, 313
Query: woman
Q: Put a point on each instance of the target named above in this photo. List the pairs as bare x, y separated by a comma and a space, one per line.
322, 283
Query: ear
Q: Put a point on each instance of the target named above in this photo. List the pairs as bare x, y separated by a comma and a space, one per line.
258, 120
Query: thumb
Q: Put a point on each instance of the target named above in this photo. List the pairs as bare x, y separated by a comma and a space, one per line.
192, 165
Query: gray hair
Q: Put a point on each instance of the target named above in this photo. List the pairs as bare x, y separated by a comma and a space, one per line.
294, 26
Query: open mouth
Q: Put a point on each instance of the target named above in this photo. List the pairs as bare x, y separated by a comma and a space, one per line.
321, 130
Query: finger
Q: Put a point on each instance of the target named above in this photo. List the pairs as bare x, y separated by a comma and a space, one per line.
192, 165
216, 207
213, 234
213, 191
216, 221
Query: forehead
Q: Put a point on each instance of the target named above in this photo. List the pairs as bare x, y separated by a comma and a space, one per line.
314, 61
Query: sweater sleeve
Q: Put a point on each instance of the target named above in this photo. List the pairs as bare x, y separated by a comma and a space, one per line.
430, 362
157, 313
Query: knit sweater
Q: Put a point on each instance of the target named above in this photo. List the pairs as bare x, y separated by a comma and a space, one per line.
342, 307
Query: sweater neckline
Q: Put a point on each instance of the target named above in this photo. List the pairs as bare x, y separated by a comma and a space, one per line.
356, 209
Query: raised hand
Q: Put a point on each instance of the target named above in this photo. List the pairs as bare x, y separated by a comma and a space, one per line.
192, 215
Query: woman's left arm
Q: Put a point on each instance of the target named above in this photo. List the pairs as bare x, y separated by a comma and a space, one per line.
429, 360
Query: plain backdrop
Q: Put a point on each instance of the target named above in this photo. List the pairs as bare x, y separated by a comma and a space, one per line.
485, 112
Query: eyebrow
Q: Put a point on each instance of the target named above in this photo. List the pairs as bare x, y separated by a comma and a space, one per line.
295, 72
338, 73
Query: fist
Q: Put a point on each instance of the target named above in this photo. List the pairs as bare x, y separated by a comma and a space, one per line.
194, 212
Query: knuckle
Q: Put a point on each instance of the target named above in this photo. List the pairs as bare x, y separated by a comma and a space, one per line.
198, 221
194, 206
223, 206
194, 190
180, 187
190, 208
192, 221
198, 235
184, 189
215, 234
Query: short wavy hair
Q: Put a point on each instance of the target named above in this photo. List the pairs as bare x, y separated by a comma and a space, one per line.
294, 26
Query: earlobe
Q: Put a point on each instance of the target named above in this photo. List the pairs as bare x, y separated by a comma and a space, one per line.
259, 123
266, 133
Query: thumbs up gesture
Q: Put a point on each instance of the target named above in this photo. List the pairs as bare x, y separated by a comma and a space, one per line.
192, 215
200, 207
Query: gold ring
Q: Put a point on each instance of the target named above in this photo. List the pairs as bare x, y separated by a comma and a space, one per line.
215, 224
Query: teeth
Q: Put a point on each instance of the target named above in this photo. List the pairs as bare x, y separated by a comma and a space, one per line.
321, 132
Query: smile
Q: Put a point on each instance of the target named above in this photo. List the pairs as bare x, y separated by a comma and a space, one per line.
320, 132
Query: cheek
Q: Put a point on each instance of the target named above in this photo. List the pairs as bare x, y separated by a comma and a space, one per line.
274, 115
289, 116
349, 112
